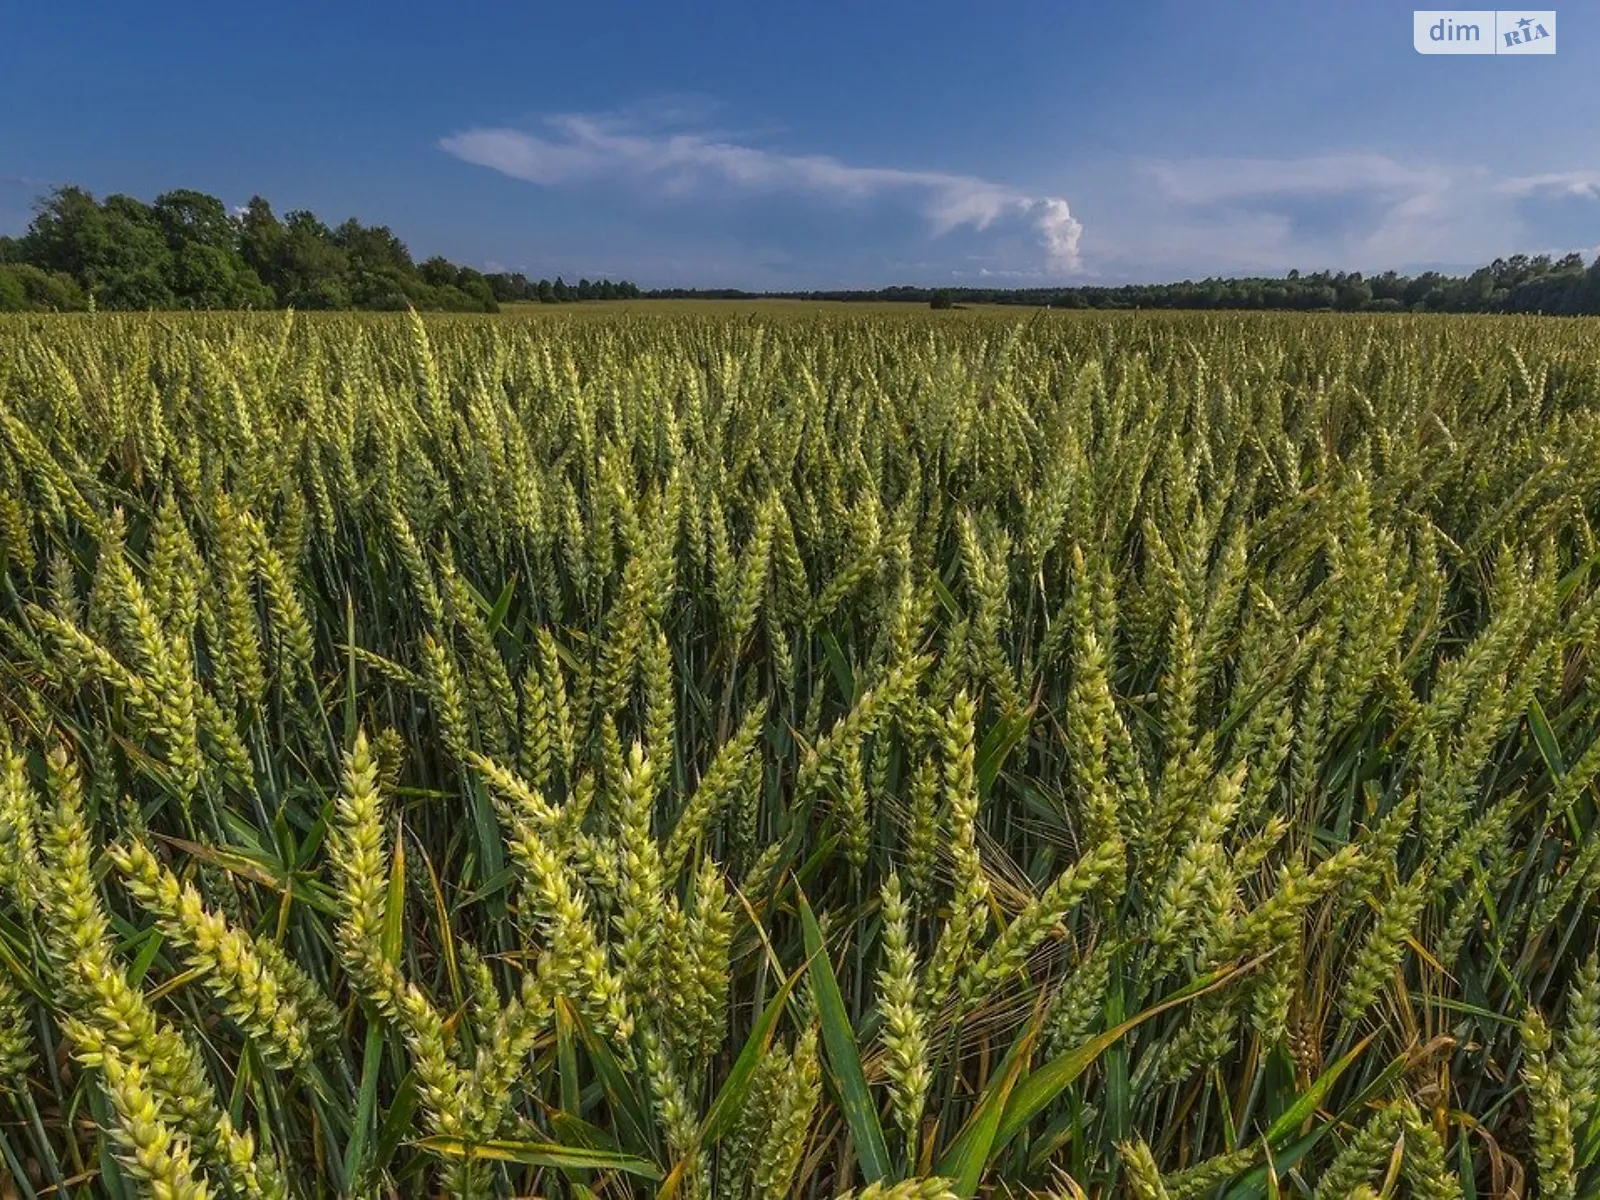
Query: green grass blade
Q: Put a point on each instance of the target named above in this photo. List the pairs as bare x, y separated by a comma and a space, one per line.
973, 1150
542, 1154
724, 1109
844, 1056
1036, 1092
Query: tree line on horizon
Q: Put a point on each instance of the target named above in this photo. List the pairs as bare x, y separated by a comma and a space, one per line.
185, 250
1521, 283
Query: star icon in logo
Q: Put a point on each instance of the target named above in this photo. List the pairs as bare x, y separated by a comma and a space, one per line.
1525, 22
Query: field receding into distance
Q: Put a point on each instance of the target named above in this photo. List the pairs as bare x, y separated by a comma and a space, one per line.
764, 752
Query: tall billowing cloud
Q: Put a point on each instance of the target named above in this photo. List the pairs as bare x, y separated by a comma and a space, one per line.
574, 150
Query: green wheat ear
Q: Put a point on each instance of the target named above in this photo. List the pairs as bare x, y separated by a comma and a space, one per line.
273, 1000
934, 1188
904, 1026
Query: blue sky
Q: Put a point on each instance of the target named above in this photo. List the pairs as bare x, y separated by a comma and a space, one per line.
780, 145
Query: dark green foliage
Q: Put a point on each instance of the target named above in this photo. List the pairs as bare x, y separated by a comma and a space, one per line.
1540, 284
186, 250
25, 288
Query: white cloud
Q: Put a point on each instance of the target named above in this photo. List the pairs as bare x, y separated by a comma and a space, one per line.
1352, 211
1152, 219
1211, 180
1581, 184
577, 150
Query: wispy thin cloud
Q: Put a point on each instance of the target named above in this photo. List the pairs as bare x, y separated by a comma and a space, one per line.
1215, 180
574, 150
1351, 210
1580, 184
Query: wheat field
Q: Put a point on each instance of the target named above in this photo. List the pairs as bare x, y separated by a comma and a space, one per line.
723, 754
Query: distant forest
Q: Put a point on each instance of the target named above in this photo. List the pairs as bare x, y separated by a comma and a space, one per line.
186, 250
1522, 284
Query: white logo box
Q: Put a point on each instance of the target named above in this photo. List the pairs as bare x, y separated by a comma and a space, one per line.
1483, 31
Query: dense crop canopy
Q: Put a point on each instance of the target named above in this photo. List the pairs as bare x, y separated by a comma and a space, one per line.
843, 753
